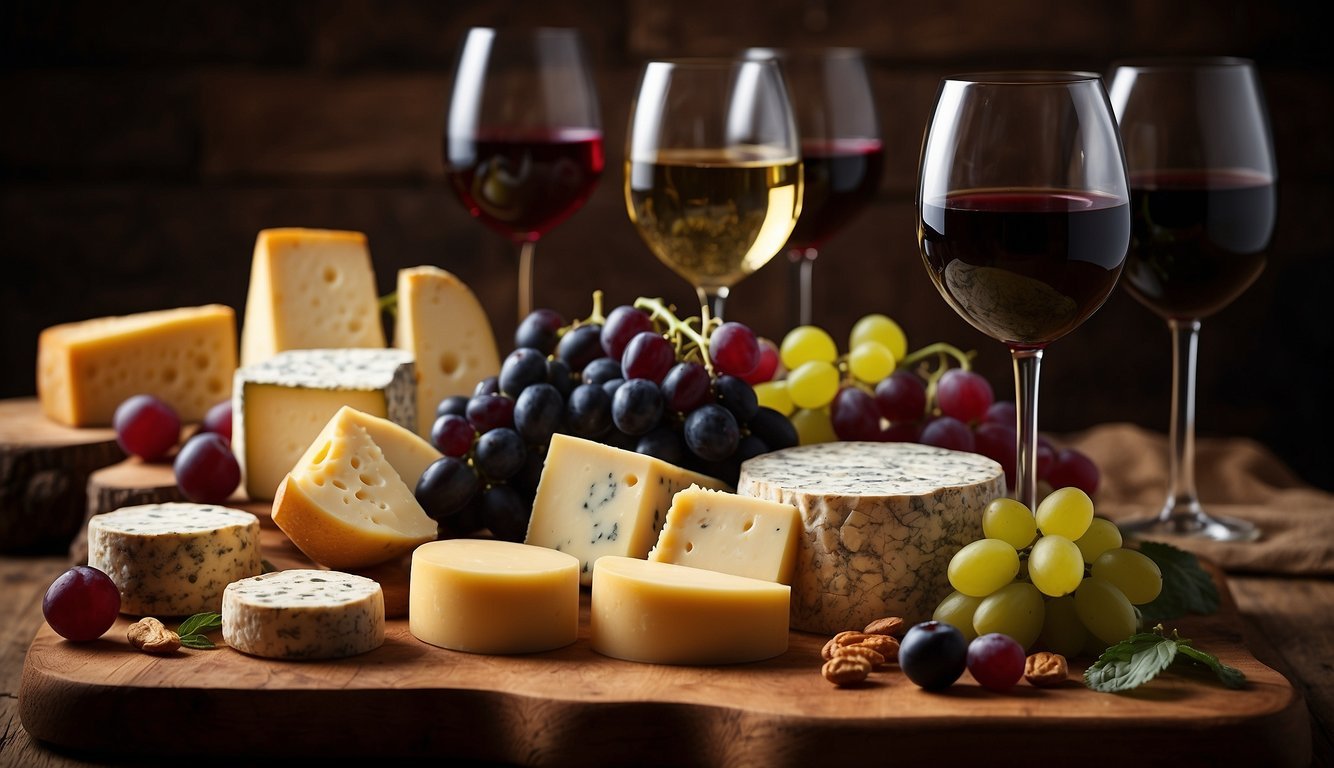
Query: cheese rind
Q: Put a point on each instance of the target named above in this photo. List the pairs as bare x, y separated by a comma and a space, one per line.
498, 597
724, 532
441, 322
672, 614
345, 506
594, 500
184, 356
279, 406
174, 559
880, 523
303, 614
309, 289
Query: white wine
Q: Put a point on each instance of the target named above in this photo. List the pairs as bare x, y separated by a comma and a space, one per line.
714, 216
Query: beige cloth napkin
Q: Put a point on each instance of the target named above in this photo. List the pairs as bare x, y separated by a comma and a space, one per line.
1236, 477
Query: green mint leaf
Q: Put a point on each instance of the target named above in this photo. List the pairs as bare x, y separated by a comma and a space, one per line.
200, 623
1230, 677
197, 642
1187, 587
1131, 663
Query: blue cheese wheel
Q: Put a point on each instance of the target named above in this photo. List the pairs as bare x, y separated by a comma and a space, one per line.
304, 614
174, 559
880, 522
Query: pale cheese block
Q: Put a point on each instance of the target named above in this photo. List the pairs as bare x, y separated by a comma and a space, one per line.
445, 328
184, 356
721, 531
496, 597
594, 500
174, 559
880, 522
407, 453
661, 613
309, 289
303, 614
280, 405
345, 506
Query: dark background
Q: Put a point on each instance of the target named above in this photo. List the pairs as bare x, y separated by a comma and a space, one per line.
143, 145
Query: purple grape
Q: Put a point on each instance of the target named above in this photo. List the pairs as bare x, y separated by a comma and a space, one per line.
948, 432
488, 412
901, 397
996, 661
649, 356
623, 324
522, 367
452, 435
1072, 468
933, 655
539, 330
737, 396
146, 427
445, 488
637, 407
998, 443
206, 470
454, 404
218, 420
81, 604
855, 415
580, 346
711, 432
734, 349
686, 387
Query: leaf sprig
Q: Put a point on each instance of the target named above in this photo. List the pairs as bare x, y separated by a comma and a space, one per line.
193, 629
1187, 587
1142, 657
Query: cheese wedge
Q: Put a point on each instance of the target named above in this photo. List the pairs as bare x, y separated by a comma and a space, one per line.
445, 328
345, 506
310, 289
724, 532
183, 356
407, 453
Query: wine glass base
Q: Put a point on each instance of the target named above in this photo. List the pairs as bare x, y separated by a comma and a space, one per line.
1190, 521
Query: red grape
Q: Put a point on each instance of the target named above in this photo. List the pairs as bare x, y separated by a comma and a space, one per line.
623, 324
488, 412
81, 604
901, 397
964, 395
996, 661
768, 365
649, 356
998, 443
1002, 412
452, 435
734, 349
206, 470
218, 420
1046, 458
686, 387
854, 415
1072, 468
146, 427
948, 432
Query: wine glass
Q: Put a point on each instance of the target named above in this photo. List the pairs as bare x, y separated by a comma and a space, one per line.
1023, 216
523, 137
1202, 176
842, 154
713, 169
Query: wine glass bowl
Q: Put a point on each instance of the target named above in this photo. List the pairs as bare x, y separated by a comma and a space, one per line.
713, 174
523, 138
1202, 178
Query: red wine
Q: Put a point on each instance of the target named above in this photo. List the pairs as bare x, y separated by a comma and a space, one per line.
840, 177
1025, 266
1198, 238
524, 184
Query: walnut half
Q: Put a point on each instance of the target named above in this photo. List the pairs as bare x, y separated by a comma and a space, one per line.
152, 636
1045, 670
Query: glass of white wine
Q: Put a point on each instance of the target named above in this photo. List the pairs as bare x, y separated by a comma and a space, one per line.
713, 175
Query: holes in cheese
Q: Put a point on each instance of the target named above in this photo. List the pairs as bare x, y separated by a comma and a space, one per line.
721, 531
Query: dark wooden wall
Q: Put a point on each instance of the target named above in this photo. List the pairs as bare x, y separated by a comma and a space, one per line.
142, 146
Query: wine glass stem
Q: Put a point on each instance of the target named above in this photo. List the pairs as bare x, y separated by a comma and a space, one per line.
526, 249
1027, 366
1181, 495
803, 267
711, 301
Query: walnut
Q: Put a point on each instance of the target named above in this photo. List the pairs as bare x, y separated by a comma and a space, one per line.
886, 646
846, 670
890, 625
152, 636
1045, 670
861, 651
850, 637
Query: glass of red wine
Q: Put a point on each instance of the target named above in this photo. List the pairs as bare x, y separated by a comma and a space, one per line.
1202, 175
1023, 216
523, 135
841, 150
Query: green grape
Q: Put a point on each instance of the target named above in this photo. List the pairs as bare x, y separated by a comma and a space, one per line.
1016, 610
1055, 566
1104, 610
1010, 521
813, 426
957, 611
1134, 573
870, 361
1065, 512
983, 567
812, 384
1101, 536
882, 329
807, 343
773, 394
1062, 631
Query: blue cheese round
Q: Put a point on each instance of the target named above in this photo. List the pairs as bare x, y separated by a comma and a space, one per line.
880, 524
304, 614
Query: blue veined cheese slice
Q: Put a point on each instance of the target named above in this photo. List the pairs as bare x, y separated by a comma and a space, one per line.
174, 559
880, 522
280, 405
303, 614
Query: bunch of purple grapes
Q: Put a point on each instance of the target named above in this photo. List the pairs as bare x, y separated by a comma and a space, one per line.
206, 470
619, 380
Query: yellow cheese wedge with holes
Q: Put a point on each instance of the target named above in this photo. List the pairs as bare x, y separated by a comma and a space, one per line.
724, 532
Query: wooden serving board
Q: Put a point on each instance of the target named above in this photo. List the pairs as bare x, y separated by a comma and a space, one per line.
575, 707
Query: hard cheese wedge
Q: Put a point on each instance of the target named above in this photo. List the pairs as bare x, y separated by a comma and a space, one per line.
445, 328
184, 356
672, 614
303, 614
345, 506
720, 531
486, 596
407, 453
309, 289
280, 405
595, 500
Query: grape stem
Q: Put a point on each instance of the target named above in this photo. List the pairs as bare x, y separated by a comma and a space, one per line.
680, 330
596, 318
943, 352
